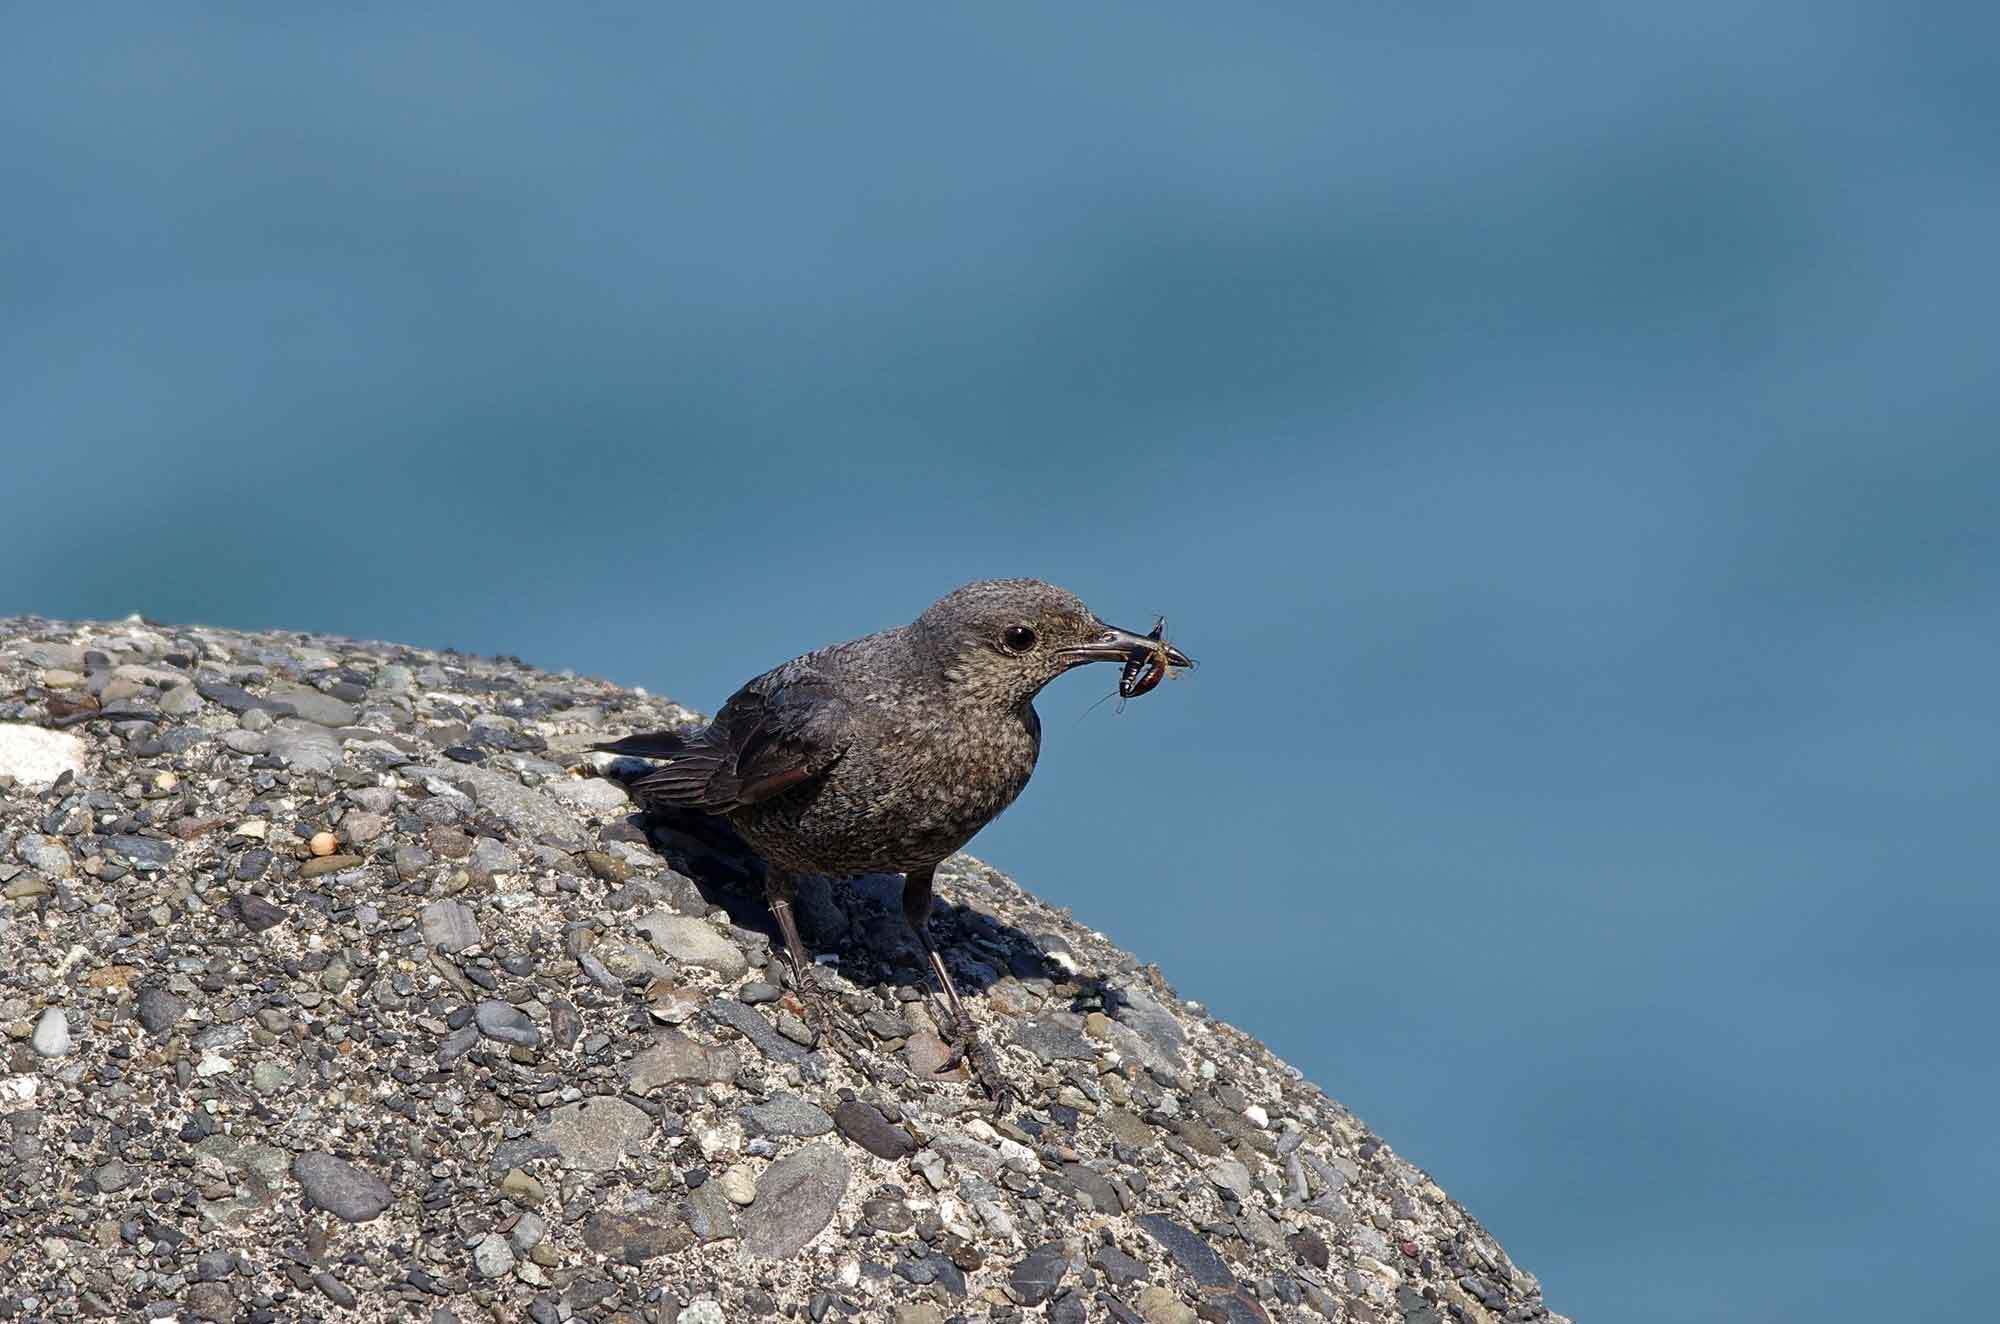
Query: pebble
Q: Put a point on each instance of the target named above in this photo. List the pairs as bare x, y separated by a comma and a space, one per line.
1036, 1278
51, 1037
752, 1026
796, 1198
1054, 1041
349, 1193
506, 1023
595, 1134
449, 925
323, 843
1157, 1305
593, 794
303, 746
864, 1124
693, 941
492, 1257
786, 1114
1230, 1175
258, 914
674, 1058
738, 1184
1188, 1250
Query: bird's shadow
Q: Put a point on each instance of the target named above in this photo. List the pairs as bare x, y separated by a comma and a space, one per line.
859, 920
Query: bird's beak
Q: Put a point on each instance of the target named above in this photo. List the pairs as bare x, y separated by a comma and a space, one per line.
1116, 645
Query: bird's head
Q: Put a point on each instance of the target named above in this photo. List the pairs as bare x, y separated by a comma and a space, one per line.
1000, 640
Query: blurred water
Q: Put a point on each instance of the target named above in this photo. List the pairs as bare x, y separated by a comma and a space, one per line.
1566, 438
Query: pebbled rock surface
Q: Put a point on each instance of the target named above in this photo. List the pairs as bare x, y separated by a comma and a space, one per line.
338, 981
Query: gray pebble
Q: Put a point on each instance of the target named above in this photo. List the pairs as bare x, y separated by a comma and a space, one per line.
796, 1197
787, 1115
158, 1010
864, 1124
351, 1194
450, 925
507, 1023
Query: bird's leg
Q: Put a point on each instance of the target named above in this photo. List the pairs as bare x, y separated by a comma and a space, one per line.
781, 889
964, 1034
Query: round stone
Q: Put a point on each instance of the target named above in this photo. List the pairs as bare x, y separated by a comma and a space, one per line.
324, 843
51, 1037
343, 1190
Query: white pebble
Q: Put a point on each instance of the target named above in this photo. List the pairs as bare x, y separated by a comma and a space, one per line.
51, 1038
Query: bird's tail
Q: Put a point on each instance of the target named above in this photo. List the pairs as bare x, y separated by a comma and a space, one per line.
647, 745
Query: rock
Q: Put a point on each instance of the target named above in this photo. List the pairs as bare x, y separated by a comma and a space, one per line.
787, 1115
589, 793
1160, 1032
1230, 1175
1094, 1187
450, 925
738, 1184
528, 1232
51, 1037
1036, 1278
1157, 1305
693, 941
521, 1188
506, 1023
1188, 1250
181, 701
141, 852
796, 1198
1054, 1041
257, 914
255, 927
1116, 1265
45, 854
304, 746
35, 757
926, 1054
864, 1124
709, 1214
531, 813
752, 1025
492, 1257
343, 1190
592, 1136
310, 705
158, 1010
636, 1230
674, 1058
327, 864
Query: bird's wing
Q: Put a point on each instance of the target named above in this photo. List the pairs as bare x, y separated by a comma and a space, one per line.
650, 744
781, 729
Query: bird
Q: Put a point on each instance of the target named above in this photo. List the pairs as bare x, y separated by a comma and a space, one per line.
887, 753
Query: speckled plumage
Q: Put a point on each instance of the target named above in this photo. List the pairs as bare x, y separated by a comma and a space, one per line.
888, 752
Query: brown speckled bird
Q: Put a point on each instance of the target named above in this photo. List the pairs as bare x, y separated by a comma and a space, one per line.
887, 753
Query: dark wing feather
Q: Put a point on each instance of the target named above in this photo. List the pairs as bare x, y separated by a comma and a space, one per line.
780, 730
796, 729
649, 744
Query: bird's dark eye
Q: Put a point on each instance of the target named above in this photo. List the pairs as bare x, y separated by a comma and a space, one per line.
1017, 639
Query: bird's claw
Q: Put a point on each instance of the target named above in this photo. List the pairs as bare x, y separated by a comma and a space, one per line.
970, 1048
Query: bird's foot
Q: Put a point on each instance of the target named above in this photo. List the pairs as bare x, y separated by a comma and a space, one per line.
813, 1005
970, 1047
